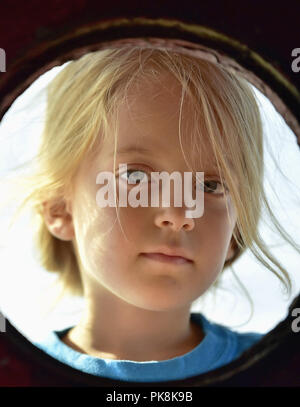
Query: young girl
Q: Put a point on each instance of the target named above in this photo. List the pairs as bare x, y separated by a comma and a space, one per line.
141, 268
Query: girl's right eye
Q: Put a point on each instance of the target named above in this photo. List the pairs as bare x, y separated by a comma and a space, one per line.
138, 177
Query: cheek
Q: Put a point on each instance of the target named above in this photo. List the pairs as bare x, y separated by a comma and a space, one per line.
215, 227
103, 237
125, 236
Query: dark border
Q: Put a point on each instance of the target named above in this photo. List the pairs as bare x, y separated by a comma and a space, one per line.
65, 44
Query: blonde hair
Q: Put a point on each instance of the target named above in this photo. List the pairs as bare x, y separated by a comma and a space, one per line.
83, 98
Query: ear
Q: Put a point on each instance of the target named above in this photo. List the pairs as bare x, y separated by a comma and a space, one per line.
231, 249
58, 218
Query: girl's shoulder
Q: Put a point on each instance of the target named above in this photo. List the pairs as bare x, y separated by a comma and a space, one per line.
220, 346
50, 342
220, 332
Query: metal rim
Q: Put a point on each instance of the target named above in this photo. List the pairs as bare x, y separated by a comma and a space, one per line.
187, 38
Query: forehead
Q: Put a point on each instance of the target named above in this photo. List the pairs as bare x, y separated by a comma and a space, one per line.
148, 120
148, 126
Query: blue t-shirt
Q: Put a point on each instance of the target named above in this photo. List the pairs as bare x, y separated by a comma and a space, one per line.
220, 346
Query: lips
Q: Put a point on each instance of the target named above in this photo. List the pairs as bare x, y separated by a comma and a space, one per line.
163, 258
169, 250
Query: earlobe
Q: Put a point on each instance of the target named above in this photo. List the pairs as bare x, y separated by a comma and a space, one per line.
58, 219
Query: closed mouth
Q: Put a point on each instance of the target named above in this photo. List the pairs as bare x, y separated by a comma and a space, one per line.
164, 258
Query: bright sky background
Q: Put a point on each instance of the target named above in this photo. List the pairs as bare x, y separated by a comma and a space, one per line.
24, 285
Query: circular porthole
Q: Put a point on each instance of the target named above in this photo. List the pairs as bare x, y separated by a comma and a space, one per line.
278, 347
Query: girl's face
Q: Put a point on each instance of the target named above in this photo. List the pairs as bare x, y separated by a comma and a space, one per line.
113, 263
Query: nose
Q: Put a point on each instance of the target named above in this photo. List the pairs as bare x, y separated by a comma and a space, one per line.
174, 218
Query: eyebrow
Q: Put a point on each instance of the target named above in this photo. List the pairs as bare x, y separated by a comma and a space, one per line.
134, 149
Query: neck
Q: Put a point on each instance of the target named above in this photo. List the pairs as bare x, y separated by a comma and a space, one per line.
127, 332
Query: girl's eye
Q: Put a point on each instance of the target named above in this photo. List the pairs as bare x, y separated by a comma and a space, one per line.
135, 177
211, 187
214, 187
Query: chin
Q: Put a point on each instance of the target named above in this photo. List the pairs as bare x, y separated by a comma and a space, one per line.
165, 304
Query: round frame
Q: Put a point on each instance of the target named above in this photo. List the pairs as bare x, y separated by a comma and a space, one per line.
278, 348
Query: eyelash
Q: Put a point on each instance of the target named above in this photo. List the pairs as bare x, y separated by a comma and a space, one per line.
136, 169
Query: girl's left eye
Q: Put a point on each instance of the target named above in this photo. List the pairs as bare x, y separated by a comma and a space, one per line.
211, 187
